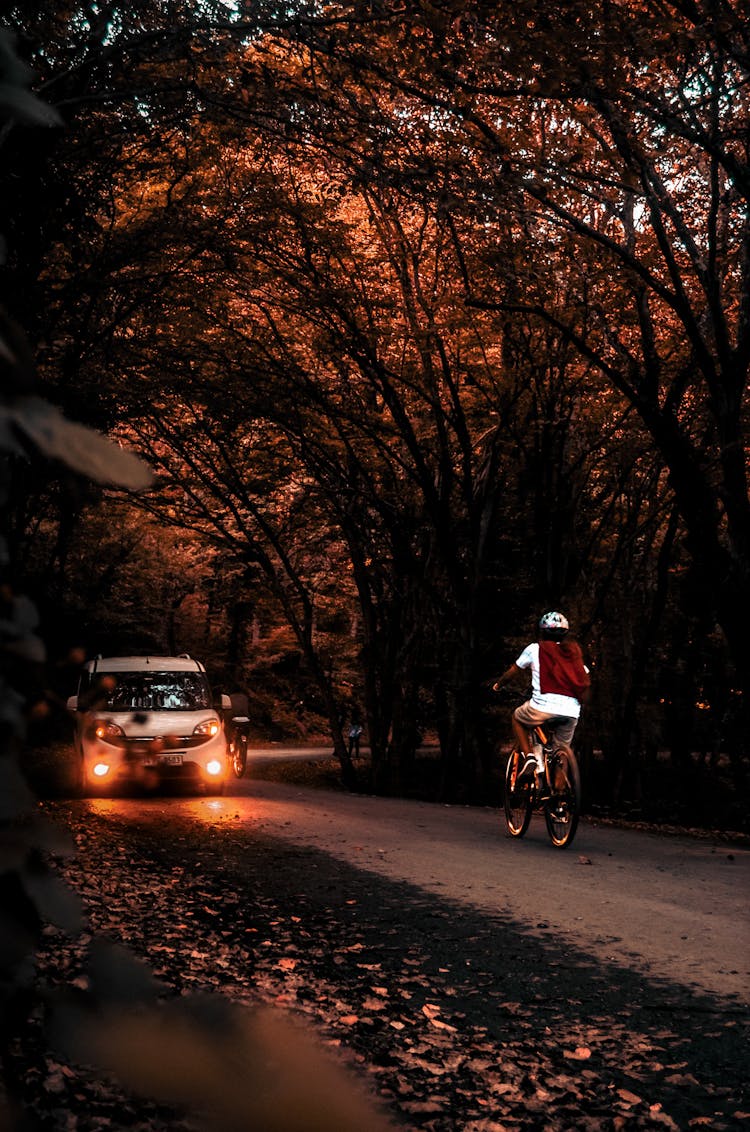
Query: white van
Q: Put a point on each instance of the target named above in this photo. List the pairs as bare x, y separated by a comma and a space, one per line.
146, 721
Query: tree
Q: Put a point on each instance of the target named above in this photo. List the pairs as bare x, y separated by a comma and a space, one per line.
619, 126
413, 299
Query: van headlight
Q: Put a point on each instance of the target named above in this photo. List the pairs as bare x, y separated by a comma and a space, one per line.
207, 727
108, 731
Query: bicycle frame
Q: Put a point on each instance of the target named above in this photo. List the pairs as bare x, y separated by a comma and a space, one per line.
547, 748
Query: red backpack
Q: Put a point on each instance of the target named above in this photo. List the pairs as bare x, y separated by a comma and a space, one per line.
561, 669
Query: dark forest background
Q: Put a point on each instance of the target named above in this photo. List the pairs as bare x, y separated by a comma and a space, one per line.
427, 318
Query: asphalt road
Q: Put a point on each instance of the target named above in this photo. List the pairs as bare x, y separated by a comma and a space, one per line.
475, 983
673, 908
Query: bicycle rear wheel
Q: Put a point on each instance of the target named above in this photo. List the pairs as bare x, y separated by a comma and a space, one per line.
517, 798
563, 808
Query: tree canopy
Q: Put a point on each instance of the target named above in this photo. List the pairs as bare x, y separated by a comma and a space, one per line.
437, 315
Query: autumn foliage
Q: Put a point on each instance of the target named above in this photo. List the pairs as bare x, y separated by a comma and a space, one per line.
426, 320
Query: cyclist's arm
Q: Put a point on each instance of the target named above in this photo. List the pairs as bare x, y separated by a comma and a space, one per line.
512, 673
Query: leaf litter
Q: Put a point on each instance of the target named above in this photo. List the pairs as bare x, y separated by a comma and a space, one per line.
478, 1028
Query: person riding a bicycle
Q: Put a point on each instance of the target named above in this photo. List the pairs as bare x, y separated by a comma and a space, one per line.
559, 685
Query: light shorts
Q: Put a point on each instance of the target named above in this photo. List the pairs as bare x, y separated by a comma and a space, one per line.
529, 716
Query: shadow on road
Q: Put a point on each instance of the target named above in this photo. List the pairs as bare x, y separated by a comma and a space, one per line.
461, 1020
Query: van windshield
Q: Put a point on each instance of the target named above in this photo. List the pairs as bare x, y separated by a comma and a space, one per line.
158, 691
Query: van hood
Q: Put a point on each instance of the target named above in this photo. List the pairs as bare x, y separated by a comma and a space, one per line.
141, 724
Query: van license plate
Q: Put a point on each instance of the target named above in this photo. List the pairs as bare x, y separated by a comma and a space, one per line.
171, 760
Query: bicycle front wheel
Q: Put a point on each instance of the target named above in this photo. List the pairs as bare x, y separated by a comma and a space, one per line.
563, 808
517, 799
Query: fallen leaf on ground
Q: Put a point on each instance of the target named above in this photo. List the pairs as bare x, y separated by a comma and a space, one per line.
628, 1097
681, 1079
431, 1013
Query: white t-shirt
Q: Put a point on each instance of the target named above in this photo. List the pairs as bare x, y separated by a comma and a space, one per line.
548, 701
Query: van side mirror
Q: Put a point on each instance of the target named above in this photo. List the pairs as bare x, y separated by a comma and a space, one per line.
226, 702
72, 704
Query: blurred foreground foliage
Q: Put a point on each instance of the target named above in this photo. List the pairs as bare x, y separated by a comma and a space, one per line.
233, 1069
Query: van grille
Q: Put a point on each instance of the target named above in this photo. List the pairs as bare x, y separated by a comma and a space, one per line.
146, 743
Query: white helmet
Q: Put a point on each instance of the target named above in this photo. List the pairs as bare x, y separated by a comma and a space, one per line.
554, 625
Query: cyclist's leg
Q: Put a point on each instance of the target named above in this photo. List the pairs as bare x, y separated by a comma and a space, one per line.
564, 729
525, 719
521, 733
561, 735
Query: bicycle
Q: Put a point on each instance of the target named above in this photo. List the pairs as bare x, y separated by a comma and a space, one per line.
554, 787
